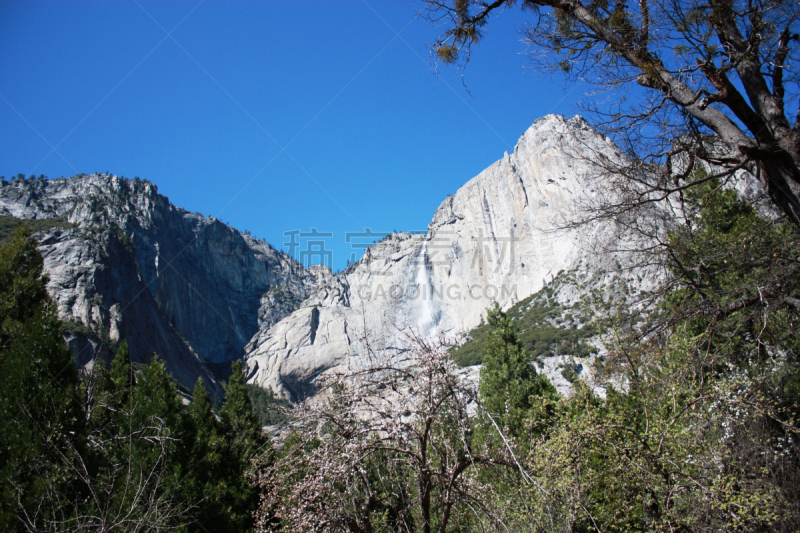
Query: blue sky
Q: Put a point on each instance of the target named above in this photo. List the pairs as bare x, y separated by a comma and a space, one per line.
272, 116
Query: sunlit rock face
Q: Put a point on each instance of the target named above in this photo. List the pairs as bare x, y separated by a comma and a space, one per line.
200, 294
186, 287
496, 238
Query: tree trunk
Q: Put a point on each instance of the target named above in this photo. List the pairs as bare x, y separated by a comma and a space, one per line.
425, 501
781, 176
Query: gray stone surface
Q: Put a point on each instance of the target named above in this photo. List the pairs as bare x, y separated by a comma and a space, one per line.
497, 238
169, 281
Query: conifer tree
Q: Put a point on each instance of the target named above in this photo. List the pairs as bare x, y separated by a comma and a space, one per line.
40, 413
118, 451
237, 415
208, 480
158, 415
200, 410
245, 440
117, 383
122, 374
509, 384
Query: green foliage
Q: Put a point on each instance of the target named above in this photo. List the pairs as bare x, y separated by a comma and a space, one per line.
217, 478
703, 434
237, 414
156, 405
662, 456
185, 460
471, 352
509, 386
244, 439
22, 281
739, 275
137, 463
544, 327
9, 225
570, 372
268, 408
122, 375
116, 450
40, 417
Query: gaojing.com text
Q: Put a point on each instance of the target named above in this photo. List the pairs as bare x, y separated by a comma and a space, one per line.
443, 291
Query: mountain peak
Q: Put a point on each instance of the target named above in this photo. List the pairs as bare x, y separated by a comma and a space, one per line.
168, 281
488, 242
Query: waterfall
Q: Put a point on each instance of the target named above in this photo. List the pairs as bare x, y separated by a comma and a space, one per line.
425, 315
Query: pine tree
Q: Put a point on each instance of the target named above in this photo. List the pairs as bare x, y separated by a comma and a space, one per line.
142, 463
245, 440
40, 415
158, 419
122, 374
511, 392
207, 479
237, 415
200, 410
120, 380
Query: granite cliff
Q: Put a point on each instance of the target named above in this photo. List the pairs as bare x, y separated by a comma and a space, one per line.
497, 238
133, 266
201, 294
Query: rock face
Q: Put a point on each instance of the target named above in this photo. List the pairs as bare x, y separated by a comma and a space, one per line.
97, 287
138, 268
493, 240
201, 294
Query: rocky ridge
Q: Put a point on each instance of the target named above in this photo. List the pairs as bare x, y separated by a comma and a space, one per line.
497, 238
171, 282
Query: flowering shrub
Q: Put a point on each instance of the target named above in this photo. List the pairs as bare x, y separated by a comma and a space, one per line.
389, 448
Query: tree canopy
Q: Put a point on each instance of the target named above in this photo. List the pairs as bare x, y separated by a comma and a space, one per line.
40, 416
109, 449
509, 386
719, 78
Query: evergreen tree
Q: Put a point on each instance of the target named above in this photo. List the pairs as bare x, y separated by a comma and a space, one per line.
158, 423
510, 390
237, 415
697, 428
245, 440
155, 396
40, 416
122, 375
200, 410
118, 451
110, 401
208, 480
